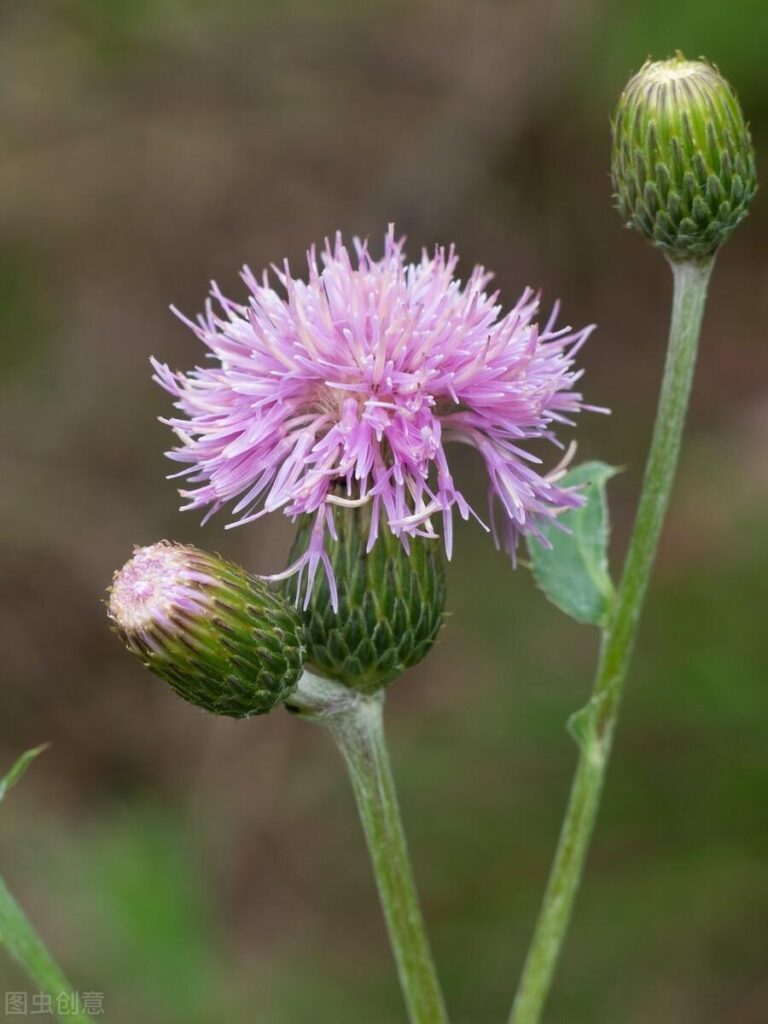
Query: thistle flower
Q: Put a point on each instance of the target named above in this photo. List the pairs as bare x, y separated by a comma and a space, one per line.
347, 389
222, 639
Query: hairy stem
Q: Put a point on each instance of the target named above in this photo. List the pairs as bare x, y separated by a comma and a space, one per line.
594, 725
355, 721
24, 945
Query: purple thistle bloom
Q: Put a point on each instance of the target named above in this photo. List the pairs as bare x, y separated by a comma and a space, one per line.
348, 389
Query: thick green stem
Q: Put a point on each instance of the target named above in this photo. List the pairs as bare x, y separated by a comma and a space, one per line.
355, 721
594, 726
21, 941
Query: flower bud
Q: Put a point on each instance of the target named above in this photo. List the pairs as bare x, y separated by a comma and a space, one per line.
683, 165
390, 601
222, 639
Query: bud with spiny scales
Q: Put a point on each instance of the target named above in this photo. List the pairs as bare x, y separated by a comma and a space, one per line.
390, 602
683, 165
224, 640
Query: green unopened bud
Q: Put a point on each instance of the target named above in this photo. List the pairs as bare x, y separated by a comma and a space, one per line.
683, 165
222, 639
390, 602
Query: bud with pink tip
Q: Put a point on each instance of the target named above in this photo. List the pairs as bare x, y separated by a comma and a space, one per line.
223, 639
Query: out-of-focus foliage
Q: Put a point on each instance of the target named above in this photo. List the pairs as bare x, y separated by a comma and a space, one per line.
732, 35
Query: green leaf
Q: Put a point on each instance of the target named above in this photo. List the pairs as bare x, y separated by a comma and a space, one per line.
10, 779
573, 573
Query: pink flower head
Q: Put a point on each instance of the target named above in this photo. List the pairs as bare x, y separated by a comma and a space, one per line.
348, 387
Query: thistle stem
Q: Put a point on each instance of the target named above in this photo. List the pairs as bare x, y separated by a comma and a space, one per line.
355, 721
24, 945
594, 726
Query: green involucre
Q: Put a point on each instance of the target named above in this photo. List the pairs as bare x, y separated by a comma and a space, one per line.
683, 164
241, 656
391, 603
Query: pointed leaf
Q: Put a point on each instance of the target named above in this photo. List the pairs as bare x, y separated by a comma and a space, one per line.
10, 779
573, 572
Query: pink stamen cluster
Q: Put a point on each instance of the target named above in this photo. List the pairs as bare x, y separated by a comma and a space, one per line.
347, 388
160, 585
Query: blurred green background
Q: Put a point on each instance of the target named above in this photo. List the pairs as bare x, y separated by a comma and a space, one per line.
196, 870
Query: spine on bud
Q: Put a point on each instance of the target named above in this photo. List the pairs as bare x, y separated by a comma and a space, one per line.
683, 165
390, 602
222, 639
